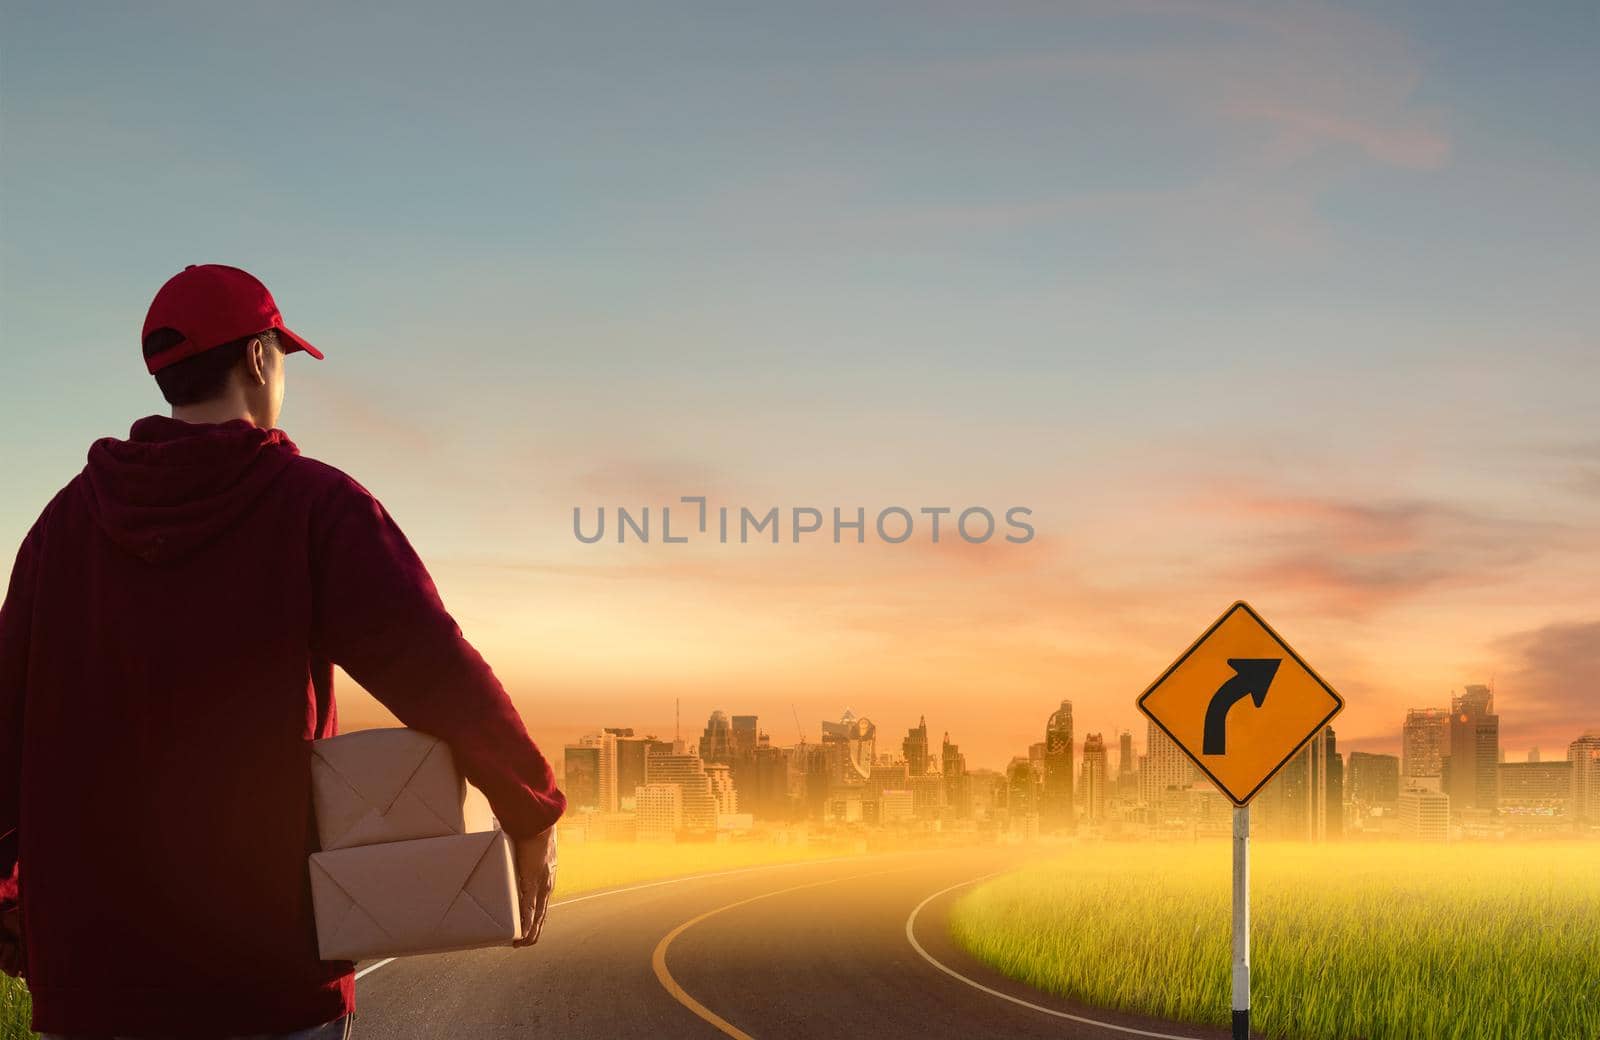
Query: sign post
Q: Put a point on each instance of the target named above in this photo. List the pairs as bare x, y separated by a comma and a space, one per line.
1240, 703
1241, 922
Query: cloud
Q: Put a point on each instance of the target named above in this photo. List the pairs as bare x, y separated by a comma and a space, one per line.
1551, 692
1354, 558
1261, 111
1311, 76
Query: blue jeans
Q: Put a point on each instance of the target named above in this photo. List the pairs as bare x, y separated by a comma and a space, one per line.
339, 1029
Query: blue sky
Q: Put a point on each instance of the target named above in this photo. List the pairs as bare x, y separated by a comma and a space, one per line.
1109, 259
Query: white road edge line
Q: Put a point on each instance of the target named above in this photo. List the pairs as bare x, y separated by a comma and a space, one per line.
911, 937
375, 965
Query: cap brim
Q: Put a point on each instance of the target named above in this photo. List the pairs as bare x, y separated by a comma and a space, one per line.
296, 343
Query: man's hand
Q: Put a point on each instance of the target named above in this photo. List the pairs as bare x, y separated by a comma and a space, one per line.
11, 948
536, 879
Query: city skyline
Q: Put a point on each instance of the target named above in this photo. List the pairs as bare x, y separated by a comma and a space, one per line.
1451, 778
780, 730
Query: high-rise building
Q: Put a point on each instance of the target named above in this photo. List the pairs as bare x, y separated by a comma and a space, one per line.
1127, 784
987, 788
771, 778
580, 776
1166, 774
716, 742
1331, 810
1056, 809
1584, 755
607, 743
1535, 787
957, 785
1305, 799
1425, 743
720, 774
1374, 781
745, 735
631, 752
679, 766
1473, 775
1424, 814
1023, 788
1094, 777
660, 810
916, 748
849, 747
927, 792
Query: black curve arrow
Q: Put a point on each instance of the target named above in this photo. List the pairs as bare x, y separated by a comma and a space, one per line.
1252, 676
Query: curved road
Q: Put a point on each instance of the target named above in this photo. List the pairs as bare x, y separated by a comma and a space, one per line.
853, 947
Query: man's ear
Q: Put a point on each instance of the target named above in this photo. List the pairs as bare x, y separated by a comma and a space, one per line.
255, 360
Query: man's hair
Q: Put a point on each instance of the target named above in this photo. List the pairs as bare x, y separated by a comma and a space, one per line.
201, 377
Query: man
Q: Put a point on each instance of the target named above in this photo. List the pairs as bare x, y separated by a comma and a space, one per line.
166, 657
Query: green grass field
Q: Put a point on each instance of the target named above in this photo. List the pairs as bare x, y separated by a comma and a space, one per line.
1348, 940
583, 867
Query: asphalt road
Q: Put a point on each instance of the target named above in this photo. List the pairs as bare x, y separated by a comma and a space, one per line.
819, 949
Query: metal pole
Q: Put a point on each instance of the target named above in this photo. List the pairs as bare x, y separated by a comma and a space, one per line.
1241, 922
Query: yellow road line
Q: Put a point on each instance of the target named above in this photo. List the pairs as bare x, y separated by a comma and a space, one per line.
658, 959
375, 965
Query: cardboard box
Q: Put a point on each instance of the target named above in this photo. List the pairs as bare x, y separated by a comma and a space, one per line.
428, 895
382, 785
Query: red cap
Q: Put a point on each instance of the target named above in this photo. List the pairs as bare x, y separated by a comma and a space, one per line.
213, 304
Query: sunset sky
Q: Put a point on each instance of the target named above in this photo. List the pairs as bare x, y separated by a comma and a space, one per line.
1289, 303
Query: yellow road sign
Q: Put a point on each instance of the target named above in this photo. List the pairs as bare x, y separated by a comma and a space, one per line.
1240, 703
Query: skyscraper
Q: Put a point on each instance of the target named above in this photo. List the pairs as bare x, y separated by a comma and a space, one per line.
1425, 742
1127, 786
1374, 781
660, 810
1305, 799
720, 776
1094, 776
606, 789
744, 735
580, 780
1584, 754
957, 785
1022, 788
849, 747
1056, 807
716, 742
916, 748
770, 791
1474, 776
1330, 823
631, 752
1167, 771
681, 767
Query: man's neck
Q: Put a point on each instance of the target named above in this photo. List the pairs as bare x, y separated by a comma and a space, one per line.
219, 410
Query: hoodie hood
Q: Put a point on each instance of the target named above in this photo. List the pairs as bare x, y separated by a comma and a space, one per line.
173, 486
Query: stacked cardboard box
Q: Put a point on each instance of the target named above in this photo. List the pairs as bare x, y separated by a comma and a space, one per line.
411, 860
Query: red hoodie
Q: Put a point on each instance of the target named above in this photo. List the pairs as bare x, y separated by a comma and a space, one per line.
166, 656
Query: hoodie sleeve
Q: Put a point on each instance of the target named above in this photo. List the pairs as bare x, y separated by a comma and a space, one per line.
16, 620
378, 615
